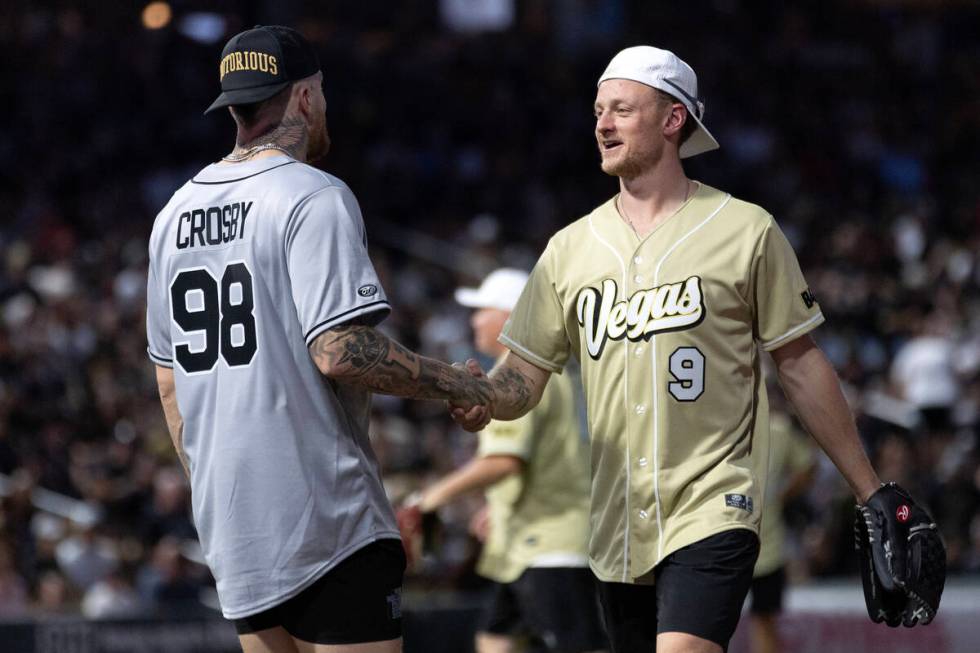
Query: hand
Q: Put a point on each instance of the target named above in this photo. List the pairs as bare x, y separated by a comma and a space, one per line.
409, 518
903, 559
473, 417
480, 524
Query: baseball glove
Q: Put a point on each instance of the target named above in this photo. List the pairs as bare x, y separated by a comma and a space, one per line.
903, 558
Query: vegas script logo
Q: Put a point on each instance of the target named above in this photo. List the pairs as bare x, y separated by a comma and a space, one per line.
668, 307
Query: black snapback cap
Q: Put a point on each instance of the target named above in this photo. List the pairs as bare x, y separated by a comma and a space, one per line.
258, 63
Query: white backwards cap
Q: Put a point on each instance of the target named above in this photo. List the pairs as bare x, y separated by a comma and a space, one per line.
665, 71
501, 289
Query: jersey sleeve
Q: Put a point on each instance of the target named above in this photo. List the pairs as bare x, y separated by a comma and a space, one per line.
331, 276
783, 306
535, 330
159, 345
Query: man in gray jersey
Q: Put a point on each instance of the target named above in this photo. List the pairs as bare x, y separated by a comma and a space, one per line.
261, 306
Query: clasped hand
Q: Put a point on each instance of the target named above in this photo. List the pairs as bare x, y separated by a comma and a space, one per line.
472, 417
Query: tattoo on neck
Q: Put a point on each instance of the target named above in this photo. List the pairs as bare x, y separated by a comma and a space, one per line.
290, 136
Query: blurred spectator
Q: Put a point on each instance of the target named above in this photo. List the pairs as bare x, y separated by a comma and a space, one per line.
113, 597
13, 590
86, 557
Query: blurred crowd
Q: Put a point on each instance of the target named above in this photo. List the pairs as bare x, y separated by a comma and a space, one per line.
468, 143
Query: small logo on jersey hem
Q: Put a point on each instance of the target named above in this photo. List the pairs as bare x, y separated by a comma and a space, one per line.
369, 290
739, 501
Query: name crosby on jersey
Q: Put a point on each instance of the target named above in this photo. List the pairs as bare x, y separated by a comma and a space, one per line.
668, 307
214, 225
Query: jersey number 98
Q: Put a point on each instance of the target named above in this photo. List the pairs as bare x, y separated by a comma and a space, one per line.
216, 315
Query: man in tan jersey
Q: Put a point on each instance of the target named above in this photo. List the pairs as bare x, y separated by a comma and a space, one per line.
535, 471
662, 293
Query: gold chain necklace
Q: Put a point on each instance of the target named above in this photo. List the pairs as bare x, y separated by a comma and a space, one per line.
252, 151
622, 208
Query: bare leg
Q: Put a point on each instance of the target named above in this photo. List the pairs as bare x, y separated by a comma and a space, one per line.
764, 634
685, 643
491, 643
271, 640
387, 646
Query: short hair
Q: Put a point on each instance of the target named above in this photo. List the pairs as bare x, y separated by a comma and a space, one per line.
271, 110
690, 124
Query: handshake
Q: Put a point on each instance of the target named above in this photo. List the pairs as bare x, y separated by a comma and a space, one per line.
474, 410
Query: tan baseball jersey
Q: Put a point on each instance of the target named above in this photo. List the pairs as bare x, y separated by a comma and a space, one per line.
789, 453
540, 517
666, 328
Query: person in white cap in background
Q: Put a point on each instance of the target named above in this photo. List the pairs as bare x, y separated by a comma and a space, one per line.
535, 471
664, 294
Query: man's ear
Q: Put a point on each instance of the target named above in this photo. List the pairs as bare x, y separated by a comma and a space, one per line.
675, 119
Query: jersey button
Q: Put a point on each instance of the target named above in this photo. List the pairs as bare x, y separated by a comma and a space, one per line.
642, 461
637, 259
638, 350
643, 514
640, 409
638, 279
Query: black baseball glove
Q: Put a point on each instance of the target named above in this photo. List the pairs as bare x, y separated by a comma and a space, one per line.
903, 558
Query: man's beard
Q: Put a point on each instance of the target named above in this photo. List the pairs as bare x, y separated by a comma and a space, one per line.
319, 145
633, 164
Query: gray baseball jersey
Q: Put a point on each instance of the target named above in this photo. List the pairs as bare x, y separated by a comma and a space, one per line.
248, 264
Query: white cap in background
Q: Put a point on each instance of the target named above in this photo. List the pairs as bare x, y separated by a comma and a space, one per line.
501, 289
665, 71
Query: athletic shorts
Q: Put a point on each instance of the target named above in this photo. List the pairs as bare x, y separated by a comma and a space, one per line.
698, 590
554, 607
767, 592
357, 601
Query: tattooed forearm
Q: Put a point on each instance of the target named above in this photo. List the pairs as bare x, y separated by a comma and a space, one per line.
512, 388
361, 354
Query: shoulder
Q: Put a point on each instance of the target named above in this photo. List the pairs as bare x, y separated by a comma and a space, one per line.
739, 212
581, 233
167, 213
303, 182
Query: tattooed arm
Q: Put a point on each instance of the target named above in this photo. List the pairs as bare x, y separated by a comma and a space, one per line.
517, 386
356, 353
175, 423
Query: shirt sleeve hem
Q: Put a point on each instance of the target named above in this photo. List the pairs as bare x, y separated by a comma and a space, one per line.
346, 316
530, 356
795, 332
517, 452
162, 361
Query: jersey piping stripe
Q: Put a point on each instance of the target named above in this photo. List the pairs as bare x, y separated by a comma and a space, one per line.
357, 310
159, 359
653, 367
533, 358
626, 404
792, 332
231, 181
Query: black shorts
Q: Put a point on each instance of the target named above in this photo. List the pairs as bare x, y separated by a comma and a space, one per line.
698, 590
767, 592
555, 607
357, 601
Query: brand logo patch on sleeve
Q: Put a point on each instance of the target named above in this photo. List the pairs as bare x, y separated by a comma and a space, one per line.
739, 501
808, 298
368, 291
